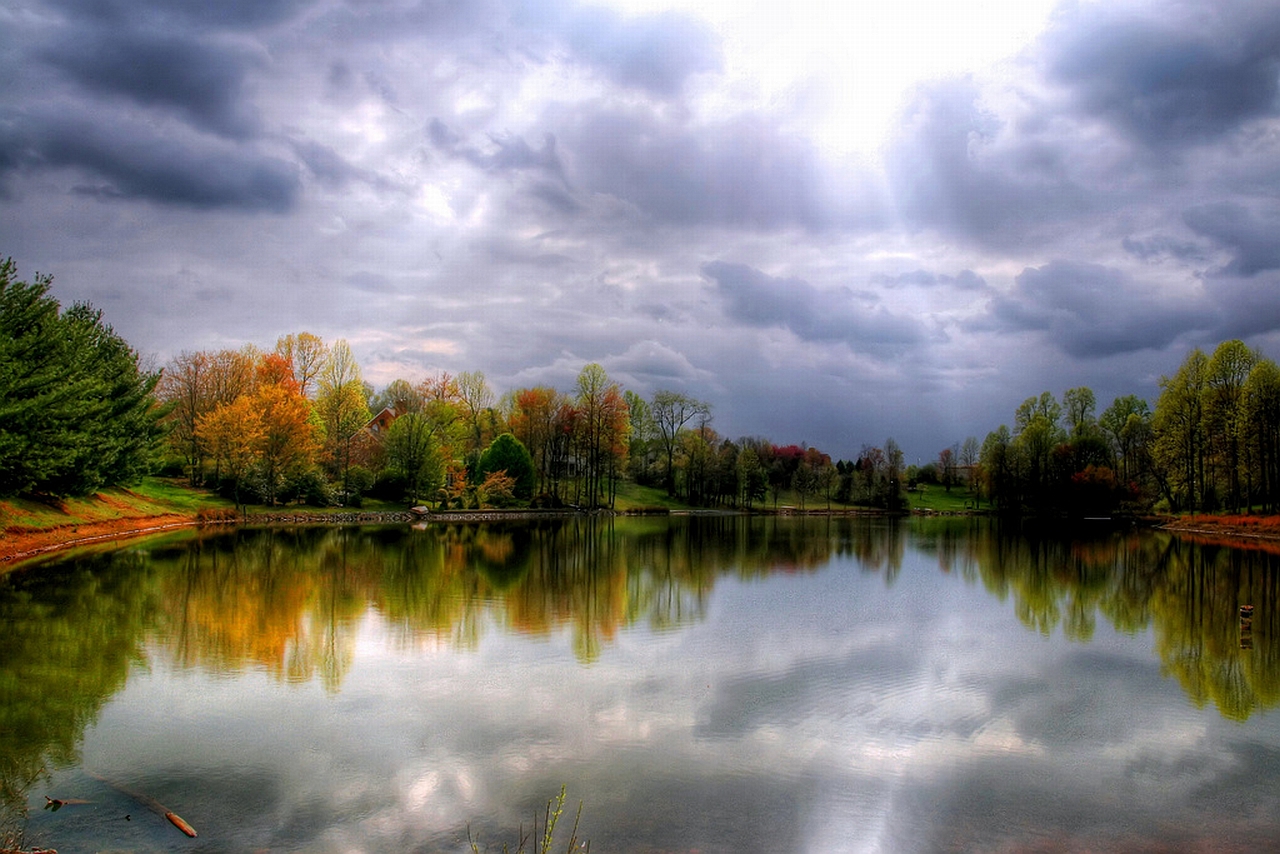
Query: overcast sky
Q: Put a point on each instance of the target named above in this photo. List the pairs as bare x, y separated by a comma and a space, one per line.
836, 222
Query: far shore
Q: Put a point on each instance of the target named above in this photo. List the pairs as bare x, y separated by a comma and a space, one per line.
19, 545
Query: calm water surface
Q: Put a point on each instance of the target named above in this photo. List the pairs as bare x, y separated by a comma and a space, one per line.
708, 685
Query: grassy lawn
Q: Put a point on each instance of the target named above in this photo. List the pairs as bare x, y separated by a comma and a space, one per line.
106, 506
632, 497
936, 498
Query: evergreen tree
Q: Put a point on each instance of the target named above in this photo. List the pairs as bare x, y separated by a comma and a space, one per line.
76, 411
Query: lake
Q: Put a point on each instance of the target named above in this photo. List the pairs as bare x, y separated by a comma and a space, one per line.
722, 684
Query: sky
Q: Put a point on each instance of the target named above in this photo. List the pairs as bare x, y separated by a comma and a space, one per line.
834, 222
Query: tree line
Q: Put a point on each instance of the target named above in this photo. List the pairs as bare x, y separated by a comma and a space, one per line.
1212, 442
79, 412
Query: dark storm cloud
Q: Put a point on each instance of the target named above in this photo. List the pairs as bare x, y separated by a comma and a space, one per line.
757, 299
201, 81
232, 14
1252, 238
741, 172
139, 163
1091, 311
1247, 306
1174, 74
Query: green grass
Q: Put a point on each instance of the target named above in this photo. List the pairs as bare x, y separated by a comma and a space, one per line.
936, 498
632, 497
183, 498
106, 506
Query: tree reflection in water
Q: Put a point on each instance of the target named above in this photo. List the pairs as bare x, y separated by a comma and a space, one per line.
289, 601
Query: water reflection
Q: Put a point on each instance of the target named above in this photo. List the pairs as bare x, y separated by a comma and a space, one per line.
293, 606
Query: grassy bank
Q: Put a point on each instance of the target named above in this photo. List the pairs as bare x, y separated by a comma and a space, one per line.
29, 527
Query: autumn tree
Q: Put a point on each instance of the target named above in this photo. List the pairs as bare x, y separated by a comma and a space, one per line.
195, 384
232, 435
537, 417
290, 439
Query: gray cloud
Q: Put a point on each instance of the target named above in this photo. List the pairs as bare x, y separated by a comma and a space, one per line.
757, 299
963, 169
202, 81
231, 14
139, 163
1252, 238
1091, 311
743, 172
1171, 75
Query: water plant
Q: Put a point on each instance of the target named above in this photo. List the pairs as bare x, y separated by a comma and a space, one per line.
546, 842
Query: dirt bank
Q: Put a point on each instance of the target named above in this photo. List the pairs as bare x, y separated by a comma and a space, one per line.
1227, 530
18, 544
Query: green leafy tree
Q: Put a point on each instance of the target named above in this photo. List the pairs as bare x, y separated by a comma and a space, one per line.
1180, 448
413, 454
508, 454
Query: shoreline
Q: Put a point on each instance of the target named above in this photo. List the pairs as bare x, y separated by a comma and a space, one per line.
22, 545
18, 547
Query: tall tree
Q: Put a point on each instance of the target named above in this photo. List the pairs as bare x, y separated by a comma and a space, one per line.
341, 405
289, 440
414, 454
307, 354
1121, 422
602, 433
1225, 417
536, 420
77, 412
476, 399
1079, 404
1262, 406
184, 385
1179, 446
671, 412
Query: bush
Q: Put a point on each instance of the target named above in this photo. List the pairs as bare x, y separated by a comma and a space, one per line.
389, 485
311, 487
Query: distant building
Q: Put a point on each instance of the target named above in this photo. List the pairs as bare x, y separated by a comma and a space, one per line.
382, 422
